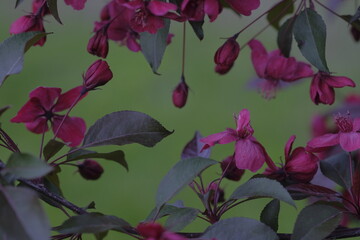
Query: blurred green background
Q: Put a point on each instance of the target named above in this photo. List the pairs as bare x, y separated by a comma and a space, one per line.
212, 101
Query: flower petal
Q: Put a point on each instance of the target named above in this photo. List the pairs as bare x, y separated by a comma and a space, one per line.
159, 8
29, 112
218, 138
46, 96
249, 155
288, 146
244, 7
259, 57
319, 144
67, 99
72, 130
350, 141
38, 126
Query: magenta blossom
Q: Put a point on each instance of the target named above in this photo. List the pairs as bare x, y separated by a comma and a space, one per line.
348, 136
180, 94
148, 16
226, 55
43, 106
322, 87
300, 166
154, 231
98, 74
273, 68
76, 4
249, 153
29, 23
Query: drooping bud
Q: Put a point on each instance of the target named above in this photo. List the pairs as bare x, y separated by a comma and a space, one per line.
98, 45
355, 33
90, 169
230, 170
226, 55
98, 74
180, 93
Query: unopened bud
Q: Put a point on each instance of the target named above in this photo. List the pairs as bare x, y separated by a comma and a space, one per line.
232, 172
226, 55
90, 169
98, 74
98, 45
180, 94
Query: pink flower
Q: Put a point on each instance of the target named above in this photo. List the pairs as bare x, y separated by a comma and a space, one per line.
226, 55
29, 23
39, 7
76, 4
180, 94
148, 15
272, 67
98, 45
154, 231
195, 10
300, 165
98, 74
43, 106
322, 87
249, 153
348, 136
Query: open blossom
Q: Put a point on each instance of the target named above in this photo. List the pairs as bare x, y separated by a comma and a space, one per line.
98, 74
29, 23
154, 231
300, 165
226, 55
272, 67
43, 106
147, 16
322, 87
348, 136
249, 153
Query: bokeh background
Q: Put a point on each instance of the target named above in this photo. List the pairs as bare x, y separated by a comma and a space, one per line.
212, 101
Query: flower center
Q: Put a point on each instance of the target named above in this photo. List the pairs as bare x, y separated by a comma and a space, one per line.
344, 123
48, 115
140, 17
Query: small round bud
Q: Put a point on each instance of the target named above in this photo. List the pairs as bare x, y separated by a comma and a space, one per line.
180, 94
90, 169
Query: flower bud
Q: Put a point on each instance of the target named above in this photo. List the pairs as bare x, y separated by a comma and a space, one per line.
90, 169
355, 33
232, 172
226, 55
98, 74
180, 94
302, 166
98, 45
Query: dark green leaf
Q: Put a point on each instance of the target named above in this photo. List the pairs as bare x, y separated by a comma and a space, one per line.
101, 235
337, 168
270, 214
18, 2
279, 11
116, 156
21, 215
194, 147
179, 176
23, 165
3, 109
180, 218
92, 223
165, 210
52, 148
239, 228
285, 36
153, 45
262, 187
356, 16
310, 34
125, 127
198, 30
52, 4
315, 222
12, 52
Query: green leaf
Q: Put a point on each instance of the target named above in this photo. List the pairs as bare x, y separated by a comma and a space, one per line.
52, 4
23, 165
153, 45
52, 148
180, 218
125, 127
193, 148
179, 176
310, 34
239, 228
198, 30
270, 214
337, 168
285, 36
315, 222
116, 156
101, 235
263, 187
12, 52
21, 215
165, 210
279, 11
92, 223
